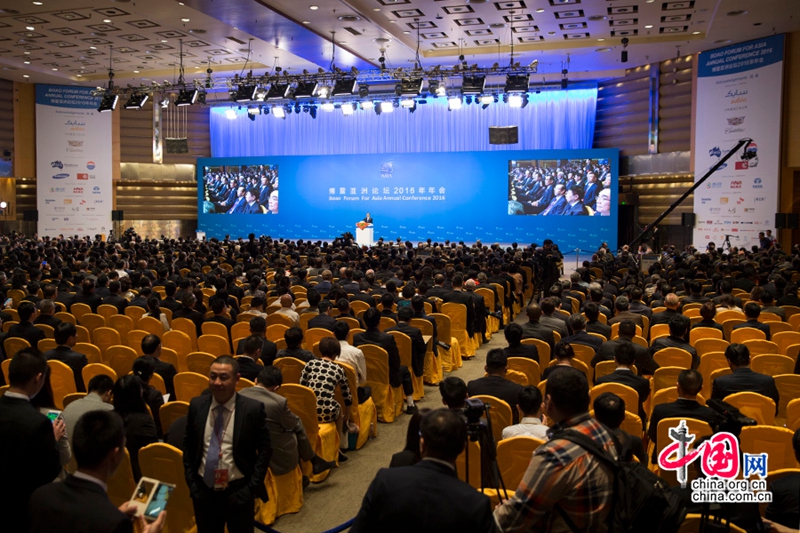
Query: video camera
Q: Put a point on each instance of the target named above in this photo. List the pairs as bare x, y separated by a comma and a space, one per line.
474, 410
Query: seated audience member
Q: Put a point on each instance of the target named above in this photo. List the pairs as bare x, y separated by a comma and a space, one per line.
579, 336
114, 297
27, 436
287, 309
563, 355
87, 296
515, 348
609, 410
287, 434
353, 357
529, 405
143, 368
551, 318
394, 497
624, 357
690, 383
387, 301
708, 312
98, 398
294, 338
45, 403
154, 310
561, 472
66, 337
418, 345
751, 311
324, 318
533, 329
248, 368
495, 383
25, 329
80, 503
768, 305
219, 308
622, 307
47, 311
454, 392
151, 345
643, 361
593, 325
410, 455
672, 303
678, 328
743, 379
269, 351
188, 311
784, 508
140, 429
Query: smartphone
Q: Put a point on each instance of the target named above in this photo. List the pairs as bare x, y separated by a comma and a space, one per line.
44, 264
9, 301
53, 415
150, 497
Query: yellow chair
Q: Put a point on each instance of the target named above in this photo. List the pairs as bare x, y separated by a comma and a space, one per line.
403, 342
104, 338
793, 414
291, 368
784, 339
121, 358
78, 310
711, 361
458, 327
135, 312
121, 483
364, 415
304, 318
48, 331
165, 463
722, 316
449, 359
351, 335
7, 325
704, 346
673, 356
756, 406
665, 377
432, 371
285, 496
275, 332
181, 344
604, 368
107, 311
187, 327
583, 353
758, 347
69, 398
788, 389
62, 381
769, 317
695, 427
378, 378
244, 383
240, 329
772, 364
703, 333
151, 325
470, 456
628, 395
94, 369
386, 323
214, 328
707, 384
692, 523
543, 348
615, 330
728, 326
214, 344
656, 331
200, 362
513, 456
492, 322
529, 367
314, 335
170, 412
791, 310
123, 324
739, 336
92, 352
92, 321
66, 317
775, 441
500, 414
135, 337
14, 344
83, 334
778, 327
189, 385
323, 437
279, 318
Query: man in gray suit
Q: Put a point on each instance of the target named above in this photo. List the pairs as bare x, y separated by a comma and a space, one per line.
286, 431
98, 398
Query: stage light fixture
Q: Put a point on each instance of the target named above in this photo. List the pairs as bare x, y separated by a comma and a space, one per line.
387, 107
108, 103
201, 97
347, 109
253, 110
454, 103
136, 101
186, 97
515, 100
413, 107
486, 101
164, 103
251, 116
312, 110
366, 105
378, 110
3, 204
277, 91
363, 91
230, 114
345, 86
517, 83
473, 84
407, 102
324, 91
327, 106
305, 89
524, 101
279, 112
410, 87
564, 84
246, 93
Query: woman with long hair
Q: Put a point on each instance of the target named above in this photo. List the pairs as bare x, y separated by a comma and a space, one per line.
140, 429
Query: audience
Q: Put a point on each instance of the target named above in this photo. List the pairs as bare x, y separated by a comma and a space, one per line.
529, 406
495, 384
742, 378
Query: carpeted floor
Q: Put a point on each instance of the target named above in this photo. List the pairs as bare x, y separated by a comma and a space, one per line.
338, 498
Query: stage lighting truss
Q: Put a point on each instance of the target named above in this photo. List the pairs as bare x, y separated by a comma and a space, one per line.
108, 103
246, 93
136, 101
186, 97
473, 84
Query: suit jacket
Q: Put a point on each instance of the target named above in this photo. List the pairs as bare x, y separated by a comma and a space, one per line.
744, 379
363, 297
195, 316
555, 323
754, 324
556, 207
680, 408
670, 341
76, 361
535, 330
249, 369
30, 459
599, 327
641, 308
285, 429
322, 321
584, 338
463, 297
785, 505
523, 350
167, 373
92, 300
269, 350
401, 500
637, 383
663, 317
27, 331
644, 362
387, 342
575, 210
252, 449
418, 346
47, 320
498, 387
76, 506
627, 315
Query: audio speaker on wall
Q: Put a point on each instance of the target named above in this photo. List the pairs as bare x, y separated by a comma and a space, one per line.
30, 215
786, 221
687, 219
503, 135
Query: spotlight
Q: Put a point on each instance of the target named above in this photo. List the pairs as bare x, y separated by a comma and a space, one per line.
277, 91
305, 89
246, 93
3, 205
253, 110
230, 114
186, 97
164, 103
387, 107
524, 101
468, 100
486, 100
515, 100
108, 103
327, 106
473, 84
312, 110
517, 83
366, 105
378, 110
410, 86
251, 116
407, 102
454, 103
363, 91
201, 97
564, 84
136, 101
279, 112
324, 91
433, 87
345, 86
347, 109
413, 107
441, 90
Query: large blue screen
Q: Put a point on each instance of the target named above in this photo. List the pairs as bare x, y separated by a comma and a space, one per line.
510, 196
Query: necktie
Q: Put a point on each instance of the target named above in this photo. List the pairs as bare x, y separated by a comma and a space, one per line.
214, 446
550, 207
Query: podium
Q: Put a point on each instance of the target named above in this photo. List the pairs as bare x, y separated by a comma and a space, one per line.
364, 236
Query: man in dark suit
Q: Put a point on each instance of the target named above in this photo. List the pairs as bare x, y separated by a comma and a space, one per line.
579, 336
743, 379
66, 336
225, 472
248, 368
287, 434
515, 348
258, 327
418, 346
458, 296
80, 502
25, 329
642, 359
27, 439
785, 505
395, 497
169, 301
678, 327
593, 325
87, 296
708, 312
532, 329
438, 290
115, 299
398, 374
575, 206
496, 384
387, 303
480, 308
368, 219
622, 306
47, 311
672, 303
690, 383
363, 294
636, 305
624, 356
219, 308
751, 311
151, 345
325, 318
188, 311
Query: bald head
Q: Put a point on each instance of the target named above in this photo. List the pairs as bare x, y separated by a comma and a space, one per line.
469, 284
672, 301
286, 300
534, 312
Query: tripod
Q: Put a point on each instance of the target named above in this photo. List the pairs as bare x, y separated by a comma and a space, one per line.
478, 431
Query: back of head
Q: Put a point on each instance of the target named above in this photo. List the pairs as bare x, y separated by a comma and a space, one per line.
96, 435
534, 312
708, 311
25, 310
340, 330
738, 354
751, 310
372, 317
569, 392
672, 301
621, 304
513, 333
270, 376
100, 384
444, 434
150, 344
627, 328
323, 306
258, 325
128, 396
529, 399
453, 391
293, 337
144, 367
577, 322
63, 332
690, 382
387, 301
625, 354
678, 325
609, 409
548, 307
330, 347
592, 311
563, 351
496, 361
252, 345
25, 366
405, 314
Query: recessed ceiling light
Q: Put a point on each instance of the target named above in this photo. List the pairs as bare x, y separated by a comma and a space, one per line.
392, 22
27, 62
540, 10
648, 26
163, 40
136, 72
79, 75
25, 76
601, 39
185, 20
736, 13
407, 32
93, 47
180, 3
695, 33
376, 9
306, 22
55, 68
650, 1
313, 8
29, 28
107, 21
26, 53
38, 3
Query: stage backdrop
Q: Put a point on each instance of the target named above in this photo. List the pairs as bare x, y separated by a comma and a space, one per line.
73, 162
446, 196
738, 96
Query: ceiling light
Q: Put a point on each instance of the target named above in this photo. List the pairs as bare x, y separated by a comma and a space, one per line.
515, 100
277, 91
29, 28
454, 103
27, 62
648, 26
473, 84
136, 101
38, 3
79, 75
185, 20
279, 112
407, 32
306, 22
606, 49
327, 106
601, 39
313, 8
108, 103
540, 10
387, 107
345, 86
93, 48
517, 83
107, 21
367, 105
487, 99
407, 102
376, 9
230, 114
164, 103
25, 76
695, 33
186, 97
55, 69
136, 72
410, 86
347, 109
163, 40
245, 93
324, 91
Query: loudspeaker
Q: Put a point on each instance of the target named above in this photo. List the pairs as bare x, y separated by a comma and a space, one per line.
687, 219
117, 215
792, 221
503, 135
30, 215
786, 221
780, 220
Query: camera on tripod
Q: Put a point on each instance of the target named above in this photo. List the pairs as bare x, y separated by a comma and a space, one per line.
474, 410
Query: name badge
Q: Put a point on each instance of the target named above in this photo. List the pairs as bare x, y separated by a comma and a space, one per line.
221, 479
